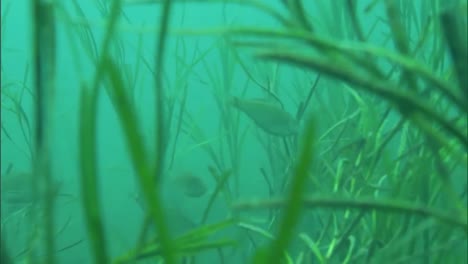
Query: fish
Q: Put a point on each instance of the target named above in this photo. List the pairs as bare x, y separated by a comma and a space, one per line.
191, 185
16, 189
268, 116
178, 222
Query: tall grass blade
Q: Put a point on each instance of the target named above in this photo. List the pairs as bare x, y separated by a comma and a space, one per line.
293, 207
89, 176
44, 43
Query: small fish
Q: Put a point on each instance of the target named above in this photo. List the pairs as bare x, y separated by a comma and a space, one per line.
268, 116
16, 189
178, 223
191, 185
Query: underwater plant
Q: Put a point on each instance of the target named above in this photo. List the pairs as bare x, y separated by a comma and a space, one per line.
370, 168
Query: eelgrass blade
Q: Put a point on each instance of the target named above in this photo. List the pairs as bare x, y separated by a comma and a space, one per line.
138, 152
7, 134
293, 208
455, 32
150, 252
88, 165
263, 233
303, 106
179, 125
191, 242
407, 102
161, 129
44, 43
4, 256
260, 5
313, 247
5, 13
86, 36
297, 11
221, 181
388, 205
400, 36
351, 8
350, 50
203, 232
88, 158
161, 136
257, 230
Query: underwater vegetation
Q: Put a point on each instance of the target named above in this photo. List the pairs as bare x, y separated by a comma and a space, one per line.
287, 132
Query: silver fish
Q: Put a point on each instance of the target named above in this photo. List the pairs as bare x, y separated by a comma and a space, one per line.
17, 191
190, 184
16, 188
268, 116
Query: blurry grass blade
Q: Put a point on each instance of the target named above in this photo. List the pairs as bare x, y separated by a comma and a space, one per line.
161, 136
45, 34
4, 256
298, 12
24, 122
455, 32
394, 16
154, 250
197, 247
256, 229
293, 209
191, 242
44, 57
86, 35
88, 157
203, 232
395, 206
89, 185
136, 146
351, 51
5, 13
8, 169
22, 118
313, 247
304, 104
260, 5
221, 181
159, 110
351, 7
6, 133
72, 245
179, 125
404, 100
352, 242
128, 119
